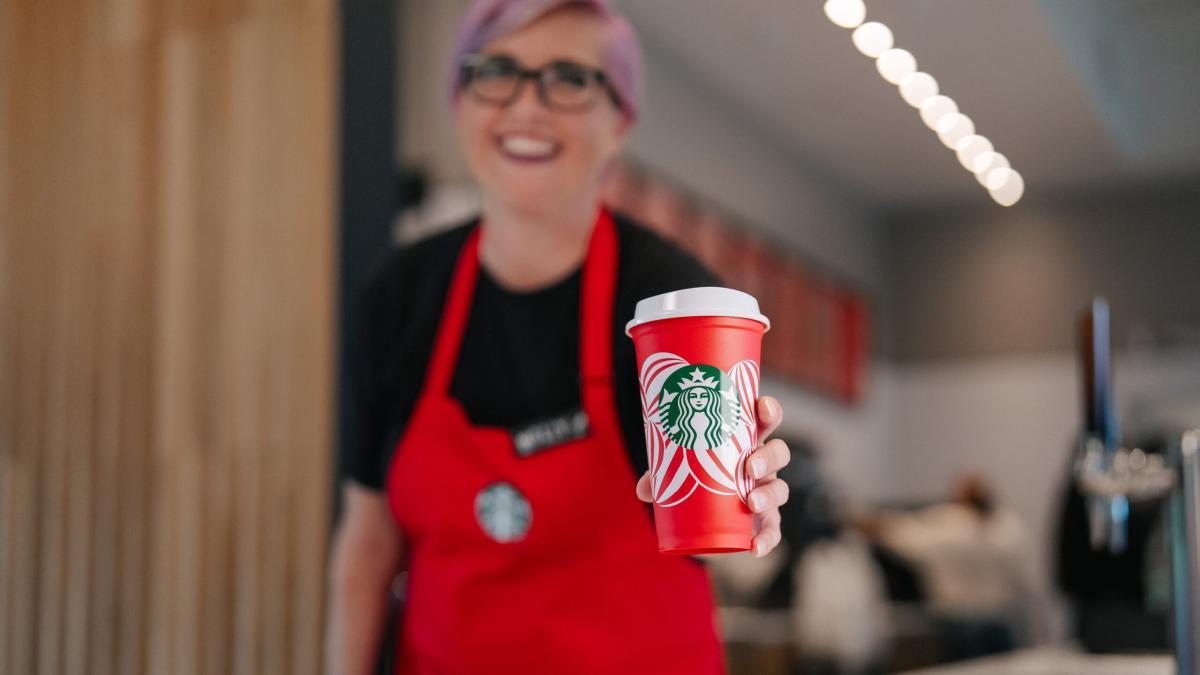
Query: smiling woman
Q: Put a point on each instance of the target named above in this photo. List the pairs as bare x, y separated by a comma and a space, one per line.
505, 472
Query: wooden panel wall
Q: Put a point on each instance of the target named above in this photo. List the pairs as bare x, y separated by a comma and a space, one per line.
167, 175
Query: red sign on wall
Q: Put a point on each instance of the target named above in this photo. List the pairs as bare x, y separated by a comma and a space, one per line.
819, 326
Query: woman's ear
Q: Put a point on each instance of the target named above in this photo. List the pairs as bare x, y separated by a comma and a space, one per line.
624, 126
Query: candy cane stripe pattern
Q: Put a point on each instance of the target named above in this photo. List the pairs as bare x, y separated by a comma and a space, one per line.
700, 426
745, 376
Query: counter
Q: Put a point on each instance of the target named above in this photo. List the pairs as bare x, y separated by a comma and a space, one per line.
1058, 661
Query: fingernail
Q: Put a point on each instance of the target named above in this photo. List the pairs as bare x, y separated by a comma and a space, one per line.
774, 406
757, 501
758, 466
760, 549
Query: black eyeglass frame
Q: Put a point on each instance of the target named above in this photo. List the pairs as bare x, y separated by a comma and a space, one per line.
472, 61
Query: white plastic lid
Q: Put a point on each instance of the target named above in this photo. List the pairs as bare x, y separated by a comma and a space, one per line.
704, 301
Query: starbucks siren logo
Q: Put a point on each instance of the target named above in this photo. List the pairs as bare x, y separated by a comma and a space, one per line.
503, 513
700, 426
699, 407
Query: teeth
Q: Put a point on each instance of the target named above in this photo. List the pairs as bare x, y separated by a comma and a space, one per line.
525, 146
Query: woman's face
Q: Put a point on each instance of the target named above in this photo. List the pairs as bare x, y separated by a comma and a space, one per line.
698, 398
530, 157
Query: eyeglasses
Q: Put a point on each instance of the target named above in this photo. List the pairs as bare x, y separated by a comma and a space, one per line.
562, 85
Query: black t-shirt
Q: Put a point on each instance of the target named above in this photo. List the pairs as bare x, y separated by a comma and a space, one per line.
519, 361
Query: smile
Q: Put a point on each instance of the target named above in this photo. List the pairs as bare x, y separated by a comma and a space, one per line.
527, 148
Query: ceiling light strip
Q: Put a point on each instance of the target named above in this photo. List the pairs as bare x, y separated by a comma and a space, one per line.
939, 112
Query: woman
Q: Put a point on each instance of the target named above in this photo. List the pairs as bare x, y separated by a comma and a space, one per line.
502, 404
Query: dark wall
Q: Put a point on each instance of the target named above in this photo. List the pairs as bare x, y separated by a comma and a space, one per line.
368, 179
995, 281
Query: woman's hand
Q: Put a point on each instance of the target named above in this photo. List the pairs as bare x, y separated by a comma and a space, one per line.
770, 492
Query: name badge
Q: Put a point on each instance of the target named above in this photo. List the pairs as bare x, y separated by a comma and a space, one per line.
542, 434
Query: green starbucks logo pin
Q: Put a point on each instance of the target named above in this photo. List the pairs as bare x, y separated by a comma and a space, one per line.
503, 513
700, 407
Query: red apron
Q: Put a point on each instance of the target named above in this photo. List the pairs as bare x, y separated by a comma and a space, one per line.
541, 564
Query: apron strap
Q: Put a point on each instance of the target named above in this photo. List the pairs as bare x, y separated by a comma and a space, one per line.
454, 316
596, 314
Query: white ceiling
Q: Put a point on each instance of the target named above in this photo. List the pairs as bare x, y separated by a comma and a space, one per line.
1035, 82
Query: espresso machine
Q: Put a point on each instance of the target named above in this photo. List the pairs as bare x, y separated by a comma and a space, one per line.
1112, 476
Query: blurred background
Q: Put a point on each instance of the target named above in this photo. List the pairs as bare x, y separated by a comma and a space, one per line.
190, 192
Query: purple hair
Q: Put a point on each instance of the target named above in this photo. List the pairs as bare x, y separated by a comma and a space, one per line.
487, 20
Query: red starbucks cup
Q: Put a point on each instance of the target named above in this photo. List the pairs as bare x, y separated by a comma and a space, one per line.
698, 365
